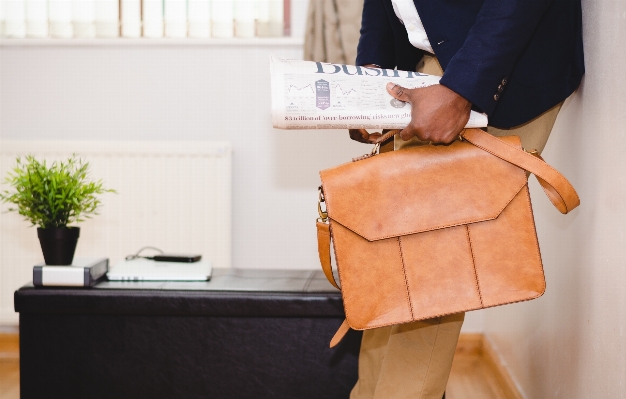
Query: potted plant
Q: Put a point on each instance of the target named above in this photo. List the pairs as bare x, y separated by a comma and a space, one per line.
52, 198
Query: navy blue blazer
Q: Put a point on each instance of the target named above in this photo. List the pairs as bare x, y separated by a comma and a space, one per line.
513, 59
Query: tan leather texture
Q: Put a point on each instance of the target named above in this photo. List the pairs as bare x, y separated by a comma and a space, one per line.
341, 332
555, 185
323, 248
428, 231
423, 188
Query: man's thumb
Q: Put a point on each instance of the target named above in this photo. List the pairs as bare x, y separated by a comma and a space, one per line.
398, 92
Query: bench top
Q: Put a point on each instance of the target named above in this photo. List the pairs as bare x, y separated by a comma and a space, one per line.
229, 293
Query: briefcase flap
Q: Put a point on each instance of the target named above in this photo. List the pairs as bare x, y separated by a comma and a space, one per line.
421, 188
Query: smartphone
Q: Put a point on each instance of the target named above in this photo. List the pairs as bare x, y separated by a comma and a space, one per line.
183, 258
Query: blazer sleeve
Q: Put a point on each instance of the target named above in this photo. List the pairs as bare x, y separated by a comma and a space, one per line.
480, 69
376, 44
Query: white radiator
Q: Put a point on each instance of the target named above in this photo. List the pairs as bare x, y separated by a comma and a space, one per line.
174, 195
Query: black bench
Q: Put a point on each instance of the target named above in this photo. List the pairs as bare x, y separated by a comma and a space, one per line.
245, 334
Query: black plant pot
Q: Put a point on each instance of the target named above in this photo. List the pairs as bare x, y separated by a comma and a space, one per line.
58, 244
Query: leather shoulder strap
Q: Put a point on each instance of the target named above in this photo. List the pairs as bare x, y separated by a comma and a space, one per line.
341, 332
558, 189
323, 248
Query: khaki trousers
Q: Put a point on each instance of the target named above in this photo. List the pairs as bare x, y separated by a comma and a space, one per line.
413, 360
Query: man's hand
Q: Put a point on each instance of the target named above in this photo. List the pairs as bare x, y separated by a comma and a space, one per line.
438, 114
362, 136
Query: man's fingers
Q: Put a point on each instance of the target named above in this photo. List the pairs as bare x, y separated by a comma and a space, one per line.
398, 92
359, 135
362, 136
373, 137
406, 135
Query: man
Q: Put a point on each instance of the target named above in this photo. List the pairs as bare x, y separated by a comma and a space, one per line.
515, 60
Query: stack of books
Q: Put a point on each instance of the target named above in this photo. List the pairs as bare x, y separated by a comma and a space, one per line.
83, 272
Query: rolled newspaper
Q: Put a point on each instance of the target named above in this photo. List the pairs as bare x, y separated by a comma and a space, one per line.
320, 95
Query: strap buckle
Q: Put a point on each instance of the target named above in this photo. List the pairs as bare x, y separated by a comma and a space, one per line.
376, 149
322, 212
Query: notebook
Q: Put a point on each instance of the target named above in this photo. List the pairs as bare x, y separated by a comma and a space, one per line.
149, 270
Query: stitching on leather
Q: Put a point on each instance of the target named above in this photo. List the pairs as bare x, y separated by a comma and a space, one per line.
406, 280
430, 359
532, 220
469, 240
463, 223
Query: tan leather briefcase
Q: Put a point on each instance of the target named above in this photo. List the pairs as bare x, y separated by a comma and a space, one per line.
428, 231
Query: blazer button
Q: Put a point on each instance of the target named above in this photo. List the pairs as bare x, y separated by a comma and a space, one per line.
500, 88
496, 97
504, 81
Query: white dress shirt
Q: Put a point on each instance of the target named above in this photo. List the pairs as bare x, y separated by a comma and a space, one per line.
407, 14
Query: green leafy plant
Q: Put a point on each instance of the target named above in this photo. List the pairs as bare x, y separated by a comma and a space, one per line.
55, 196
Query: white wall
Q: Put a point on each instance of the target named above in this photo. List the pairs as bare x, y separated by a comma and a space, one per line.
183, 93
186, 92
571, 343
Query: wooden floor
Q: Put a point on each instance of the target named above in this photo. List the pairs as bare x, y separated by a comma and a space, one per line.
9, 379
472, 376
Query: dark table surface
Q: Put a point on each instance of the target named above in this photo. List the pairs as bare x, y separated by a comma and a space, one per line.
230, 292
244, 334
